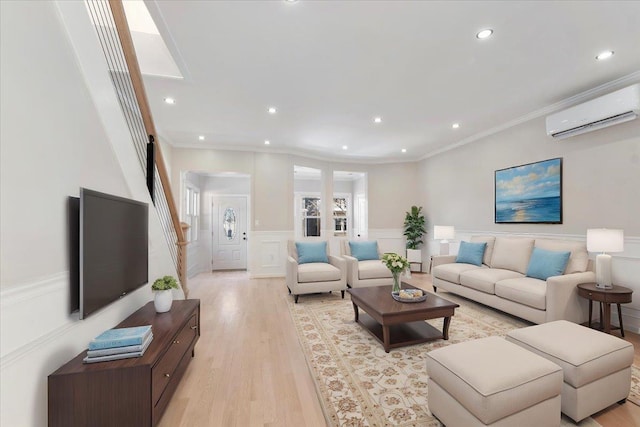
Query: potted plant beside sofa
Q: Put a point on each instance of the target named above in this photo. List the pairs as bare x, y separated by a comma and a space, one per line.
414, 229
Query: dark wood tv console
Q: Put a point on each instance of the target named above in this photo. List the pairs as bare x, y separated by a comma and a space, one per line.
128, 392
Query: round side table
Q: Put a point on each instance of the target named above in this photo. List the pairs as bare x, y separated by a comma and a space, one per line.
618, 295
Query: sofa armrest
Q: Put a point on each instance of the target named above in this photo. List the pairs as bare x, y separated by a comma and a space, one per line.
563, 301
442, 259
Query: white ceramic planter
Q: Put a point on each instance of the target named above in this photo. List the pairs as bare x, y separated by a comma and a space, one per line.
163, 300
414, 255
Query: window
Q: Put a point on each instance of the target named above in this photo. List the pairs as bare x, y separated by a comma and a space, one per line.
348, 220
192, 212
310, 216
340, 216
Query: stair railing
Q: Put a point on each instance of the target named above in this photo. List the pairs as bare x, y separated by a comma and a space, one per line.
113, 32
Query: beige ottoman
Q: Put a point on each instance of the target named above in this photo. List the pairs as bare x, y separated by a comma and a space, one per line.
596, 366
491, 382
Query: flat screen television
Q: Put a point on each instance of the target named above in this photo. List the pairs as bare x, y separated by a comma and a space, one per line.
113, 249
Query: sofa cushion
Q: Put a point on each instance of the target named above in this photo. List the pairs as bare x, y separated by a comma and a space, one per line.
525, 290
488, 252
364, 251
373, 269
484, 279
579, 259
318, 272
471, 253
512, 253
451, 272
311, 252
544, 264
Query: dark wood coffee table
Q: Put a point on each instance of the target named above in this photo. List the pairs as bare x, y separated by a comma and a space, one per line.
397, 324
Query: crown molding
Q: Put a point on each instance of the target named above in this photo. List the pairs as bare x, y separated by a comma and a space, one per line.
565, 103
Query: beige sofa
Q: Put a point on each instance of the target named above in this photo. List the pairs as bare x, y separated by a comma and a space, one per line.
361, 274
500, 281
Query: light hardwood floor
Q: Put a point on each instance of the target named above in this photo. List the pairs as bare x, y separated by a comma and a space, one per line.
249, 369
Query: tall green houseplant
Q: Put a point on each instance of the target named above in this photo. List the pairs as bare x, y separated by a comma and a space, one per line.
414, 223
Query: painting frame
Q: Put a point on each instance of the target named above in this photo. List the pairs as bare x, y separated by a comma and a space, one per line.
529, 194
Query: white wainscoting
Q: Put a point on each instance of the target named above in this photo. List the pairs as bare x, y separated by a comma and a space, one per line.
39, 335
268, 253
625, 267
268, 249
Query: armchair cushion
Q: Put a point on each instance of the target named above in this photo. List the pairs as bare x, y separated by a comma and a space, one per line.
309, 252
364, 251
318, 272
373, 269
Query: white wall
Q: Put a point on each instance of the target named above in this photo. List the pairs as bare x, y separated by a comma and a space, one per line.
62, 128
601, 188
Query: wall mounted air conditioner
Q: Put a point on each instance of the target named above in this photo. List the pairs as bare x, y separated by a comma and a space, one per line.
617, 107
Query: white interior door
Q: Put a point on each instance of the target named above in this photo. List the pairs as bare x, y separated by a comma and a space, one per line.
360, 228
229, 233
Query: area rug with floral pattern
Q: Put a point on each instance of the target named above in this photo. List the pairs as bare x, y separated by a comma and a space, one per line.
359, 384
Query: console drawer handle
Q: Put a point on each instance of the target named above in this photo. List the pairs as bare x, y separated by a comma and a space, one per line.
176, 342
194, 327
167, 375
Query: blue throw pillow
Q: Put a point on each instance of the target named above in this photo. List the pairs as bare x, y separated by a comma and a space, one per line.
363, 251
471, 253
311, 252
544, 264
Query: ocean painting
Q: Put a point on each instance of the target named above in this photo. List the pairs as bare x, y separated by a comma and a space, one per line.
530, 193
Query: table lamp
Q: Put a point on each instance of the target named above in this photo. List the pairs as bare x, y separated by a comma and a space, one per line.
444, 233
604, 240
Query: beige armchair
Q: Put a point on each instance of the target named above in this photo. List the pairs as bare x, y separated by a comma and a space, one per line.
313, 277
364, 273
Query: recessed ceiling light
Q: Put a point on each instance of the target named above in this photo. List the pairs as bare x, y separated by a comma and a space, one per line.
344, 147
170, 100
290, 1
404, 150
201, 137
267, 142
604, 55
378, 120
484, 33
455, 125
272, 110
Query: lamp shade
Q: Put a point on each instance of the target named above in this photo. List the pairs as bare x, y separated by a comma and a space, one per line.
443, 232
605, 240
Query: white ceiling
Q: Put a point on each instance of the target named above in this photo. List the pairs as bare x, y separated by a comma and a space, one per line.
330, 67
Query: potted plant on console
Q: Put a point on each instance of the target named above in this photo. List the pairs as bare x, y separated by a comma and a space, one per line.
414, 229
163, 293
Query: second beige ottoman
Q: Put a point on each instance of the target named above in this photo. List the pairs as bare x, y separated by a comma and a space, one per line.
492, 382
596, 366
